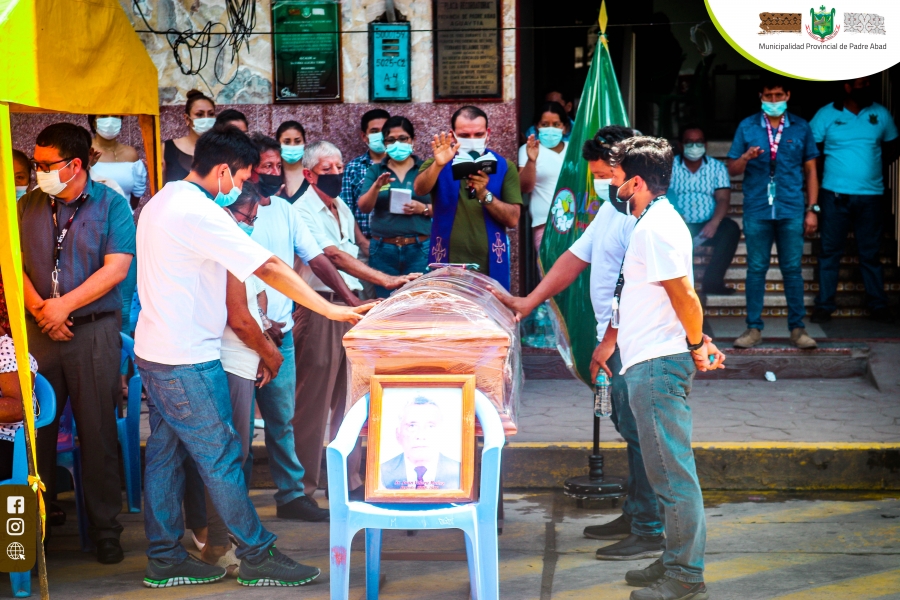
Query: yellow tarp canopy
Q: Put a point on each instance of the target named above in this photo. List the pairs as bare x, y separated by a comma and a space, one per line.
65, 56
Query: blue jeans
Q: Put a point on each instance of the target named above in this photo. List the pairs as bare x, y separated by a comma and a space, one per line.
788, 237
190, 415
397, 260
640, 506
658, 389
276, 405
839, 212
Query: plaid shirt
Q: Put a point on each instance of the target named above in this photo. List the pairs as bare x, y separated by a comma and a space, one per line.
354, 174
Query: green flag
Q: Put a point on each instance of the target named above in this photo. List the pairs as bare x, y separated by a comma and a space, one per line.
574, 206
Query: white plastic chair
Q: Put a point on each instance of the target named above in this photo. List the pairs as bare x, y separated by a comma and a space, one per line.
478, 520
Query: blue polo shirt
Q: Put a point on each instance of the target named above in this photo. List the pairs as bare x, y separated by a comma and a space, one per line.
797, 146
104, 225
853, 147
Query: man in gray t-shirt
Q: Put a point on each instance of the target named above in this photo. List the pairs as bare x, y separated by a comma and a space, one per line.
78, 241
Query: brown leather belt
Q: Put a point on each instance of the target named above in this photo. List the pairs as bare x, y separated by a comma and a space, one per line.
331, 297
404, 240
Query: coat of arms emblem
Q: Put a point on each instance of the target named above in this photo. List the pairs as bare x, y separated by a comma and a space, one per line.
823, 27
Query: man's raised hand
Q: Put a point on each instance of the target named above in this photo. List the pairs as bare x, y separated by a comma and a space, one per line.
445, 148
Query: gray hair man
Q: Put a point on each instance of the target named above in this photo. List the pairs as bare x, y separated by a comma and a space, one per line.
319, 354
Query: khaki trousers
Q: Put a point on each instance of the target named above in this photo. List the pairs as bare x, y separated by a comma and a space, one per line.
322, 374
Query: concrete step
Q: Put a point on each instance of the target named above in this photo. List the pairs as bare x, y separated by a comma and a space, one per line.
739, 273
772, 300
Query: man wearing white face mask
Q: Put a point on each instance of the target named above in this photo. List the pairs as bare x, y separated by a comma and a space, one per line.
701, 193
78, 241
470, 215
602, 248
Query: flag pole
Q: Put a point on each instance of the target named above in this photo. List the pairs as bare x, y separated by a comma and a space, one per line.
595, 485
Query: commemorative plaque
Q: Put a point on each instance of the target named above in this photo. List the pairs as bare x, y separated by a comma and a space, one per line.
467, 55
306, 45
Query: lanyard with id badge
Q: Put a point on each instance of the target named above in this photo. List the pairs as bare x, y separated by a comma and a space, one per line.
774, 142
60, 238
620, 283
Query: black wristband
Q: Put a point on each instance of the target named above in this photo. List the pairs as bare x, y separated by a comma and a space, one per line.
694, 347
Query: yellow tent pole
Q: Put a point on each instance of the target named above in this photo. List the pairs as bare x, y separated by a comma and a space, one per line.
11, 269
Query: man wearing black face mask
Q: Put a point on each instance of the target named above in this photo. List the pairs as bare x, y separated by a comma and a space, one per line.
853, 133
320, 359
280, 230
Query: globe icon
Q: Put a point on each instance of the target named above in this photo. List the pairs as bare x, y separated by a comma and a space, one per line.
15, 551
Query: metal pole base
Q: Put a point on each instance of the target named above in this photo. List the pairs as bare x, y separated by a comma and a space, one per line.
594, 485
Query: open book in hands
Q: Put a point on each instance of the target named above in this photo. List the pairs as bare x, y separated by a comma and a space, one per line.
464, 165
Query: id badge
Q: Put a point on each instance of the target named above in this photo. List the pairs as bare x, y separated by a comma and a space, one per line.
771, 191
54, 283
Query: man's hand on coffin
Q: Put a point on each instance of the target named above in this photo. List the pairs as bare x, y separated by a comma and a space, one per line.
394, 282
521, 306
275, 333
349, 314
445, 148
601, 355
263, 375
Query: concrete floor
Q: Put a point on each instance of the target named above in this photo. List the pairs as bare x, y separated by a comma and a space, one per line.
760, 546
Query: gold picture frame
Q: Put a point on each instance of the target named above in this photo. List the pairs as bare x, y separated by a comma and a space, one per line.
421, 415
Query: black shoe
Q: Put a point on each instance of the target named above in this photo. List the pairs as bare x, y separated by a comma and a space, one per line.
190, 572
277, 570
109, 551
302, 508
820, 316
722, 291
882, 315
616, 529
672, 589
646, 576
633, 547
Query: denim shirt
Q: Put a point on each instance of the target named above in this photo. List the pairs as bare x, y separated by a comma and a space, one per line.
797, 146
104, 225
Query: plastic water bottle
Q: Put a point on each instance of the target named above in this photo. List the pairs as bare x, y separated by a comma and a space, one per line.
602, 400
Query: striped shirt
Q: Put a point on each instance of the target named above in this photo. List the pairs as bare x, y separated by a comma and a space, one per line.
693, 194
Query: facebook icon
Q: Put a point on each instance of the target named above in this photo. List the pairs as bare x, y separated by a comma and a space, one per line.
15, 505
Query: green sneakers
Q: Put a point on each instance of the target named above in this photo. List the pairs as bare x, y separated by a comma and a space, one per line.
277, 570
190, 572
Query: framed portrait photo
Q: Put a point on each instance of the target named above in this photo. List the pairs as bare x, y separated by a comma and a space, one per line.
421, 445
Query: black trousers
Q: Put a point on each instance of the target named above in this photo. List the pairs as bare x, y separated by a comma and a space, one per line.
86, 370
724, 244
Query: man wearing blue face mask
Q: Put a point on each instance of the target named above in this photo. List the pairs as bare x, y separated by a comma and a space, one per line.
776, 152
602, 247
701, 193
355, 171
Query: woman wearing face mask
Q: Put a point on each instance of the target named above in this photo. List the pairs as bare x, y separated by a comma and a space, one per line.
117, 161
540, 161
401, 223
22, 172
178, 154
292, 138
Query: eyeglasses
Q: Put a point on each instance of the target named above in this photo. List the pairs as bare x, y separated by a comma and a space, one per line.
250, 220
403, 139
45, 167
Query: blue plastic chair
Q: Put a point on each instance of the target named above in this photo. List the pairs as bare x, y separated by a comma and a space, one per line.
129, 431
478, 520
21, 582
68, 456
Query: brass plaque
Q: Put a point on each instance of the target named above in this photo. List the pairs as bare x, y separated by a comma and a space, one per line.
467, 52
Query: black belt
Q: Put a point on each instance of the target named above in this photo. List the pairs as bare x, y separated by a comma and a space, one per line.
85, 319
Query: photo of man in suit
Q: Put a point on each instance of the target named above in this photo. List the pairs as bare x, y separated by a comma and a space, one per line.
421, 464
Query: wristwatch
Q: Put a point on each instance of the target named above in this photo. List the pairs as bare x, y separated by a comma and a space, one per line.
693, 347
488, 198
814, 208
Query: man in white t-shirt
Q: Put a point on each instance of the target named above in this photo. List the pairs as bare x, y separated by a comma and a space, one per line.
661, 341
280, 229
319, 352
187, 245
602, 247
